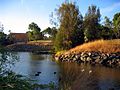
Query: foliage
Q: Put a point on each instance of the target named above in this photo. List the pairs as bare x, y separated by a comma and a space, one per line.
11, 81
91, 24
17, 82
51, 86
51, 32
106, 33
108, 23
70, 32
8, 80
107, 29
116, 23
7, 59
2, 38
34, 33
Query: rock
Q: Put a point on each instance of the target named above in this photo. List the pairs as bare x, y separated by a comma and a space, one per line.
98, 60
112, 60
74, 59
83, 59
89, 53
96, 57
88, 59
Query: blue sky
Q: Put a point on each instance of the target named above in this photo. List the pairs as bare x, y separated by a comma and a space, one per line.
16, 15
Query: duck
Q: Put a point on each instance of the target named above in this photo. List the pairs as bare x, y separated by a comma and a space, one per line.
37, 74
90, 71
82, 70
54, 72
59, 79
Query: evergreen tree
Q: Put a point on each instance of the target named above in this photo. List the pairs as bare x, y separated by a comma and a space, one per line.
116, 23
70, 33
91, 24
107, 29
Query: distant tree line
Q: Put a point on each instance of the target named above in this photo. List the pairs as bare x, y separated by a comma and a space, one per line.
35, 33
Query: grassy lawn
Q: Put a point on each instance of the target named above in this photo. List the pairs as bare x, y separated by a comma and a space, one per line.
40, 41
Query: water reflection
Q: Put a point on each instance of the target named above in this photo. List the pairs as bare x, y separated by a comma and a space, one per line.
86, 77
68, 76
7, 60
30, 64
34, 56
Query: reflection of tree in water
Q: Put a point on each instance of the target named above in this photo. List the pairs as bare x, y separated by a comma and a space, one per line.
8, 79
36, 56
77, 77
7, 59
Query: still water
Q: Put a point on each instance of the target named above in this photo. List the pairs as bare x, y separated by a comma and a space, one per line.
66, 75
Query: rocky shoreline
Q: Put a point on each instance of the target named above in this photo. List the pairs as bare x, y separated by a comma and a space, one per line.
94, 58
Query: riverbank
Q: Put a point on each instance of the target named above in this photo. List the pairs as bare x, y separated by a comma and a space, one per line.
104, 52
33, 46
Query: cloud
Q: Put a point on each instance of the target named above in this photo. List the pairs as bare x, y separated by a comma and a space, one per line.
110, 8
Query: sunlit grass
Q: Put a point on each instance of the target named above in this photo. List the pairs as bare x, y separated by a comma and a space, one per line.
106, 46
41, 42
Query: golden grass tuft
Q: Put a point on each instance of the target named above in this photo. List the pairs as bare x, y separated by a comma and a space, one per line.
105, 46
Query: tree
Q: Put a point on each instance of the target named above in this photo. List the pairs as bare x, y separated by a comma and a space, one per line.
51, 32
3, 36
70, 33
34, 33
108, 23
91, 24
107, 29
1, 27
116, 23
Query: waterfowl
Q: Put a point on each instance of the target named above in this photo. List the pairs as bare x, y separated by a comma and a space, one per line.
59, 79
54, 72
37, 74
90, 71
82, 70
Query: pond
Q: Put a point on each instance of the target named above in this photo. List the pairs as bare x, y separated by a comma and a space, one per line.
44, 70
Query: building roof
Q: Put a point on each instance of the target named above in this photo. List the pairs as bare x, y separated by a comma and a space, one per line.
19, 36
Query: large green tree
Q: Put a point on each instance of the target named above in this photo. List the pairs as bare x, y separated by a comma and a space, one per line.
70, 33
34, 32
91, 23
116, 23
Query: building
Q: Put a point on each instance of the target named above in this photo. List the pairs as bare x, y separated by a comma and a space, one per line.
19, 37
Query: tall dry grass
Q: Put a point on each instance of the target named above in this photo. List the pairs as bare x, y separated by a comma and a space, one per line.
106, 46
